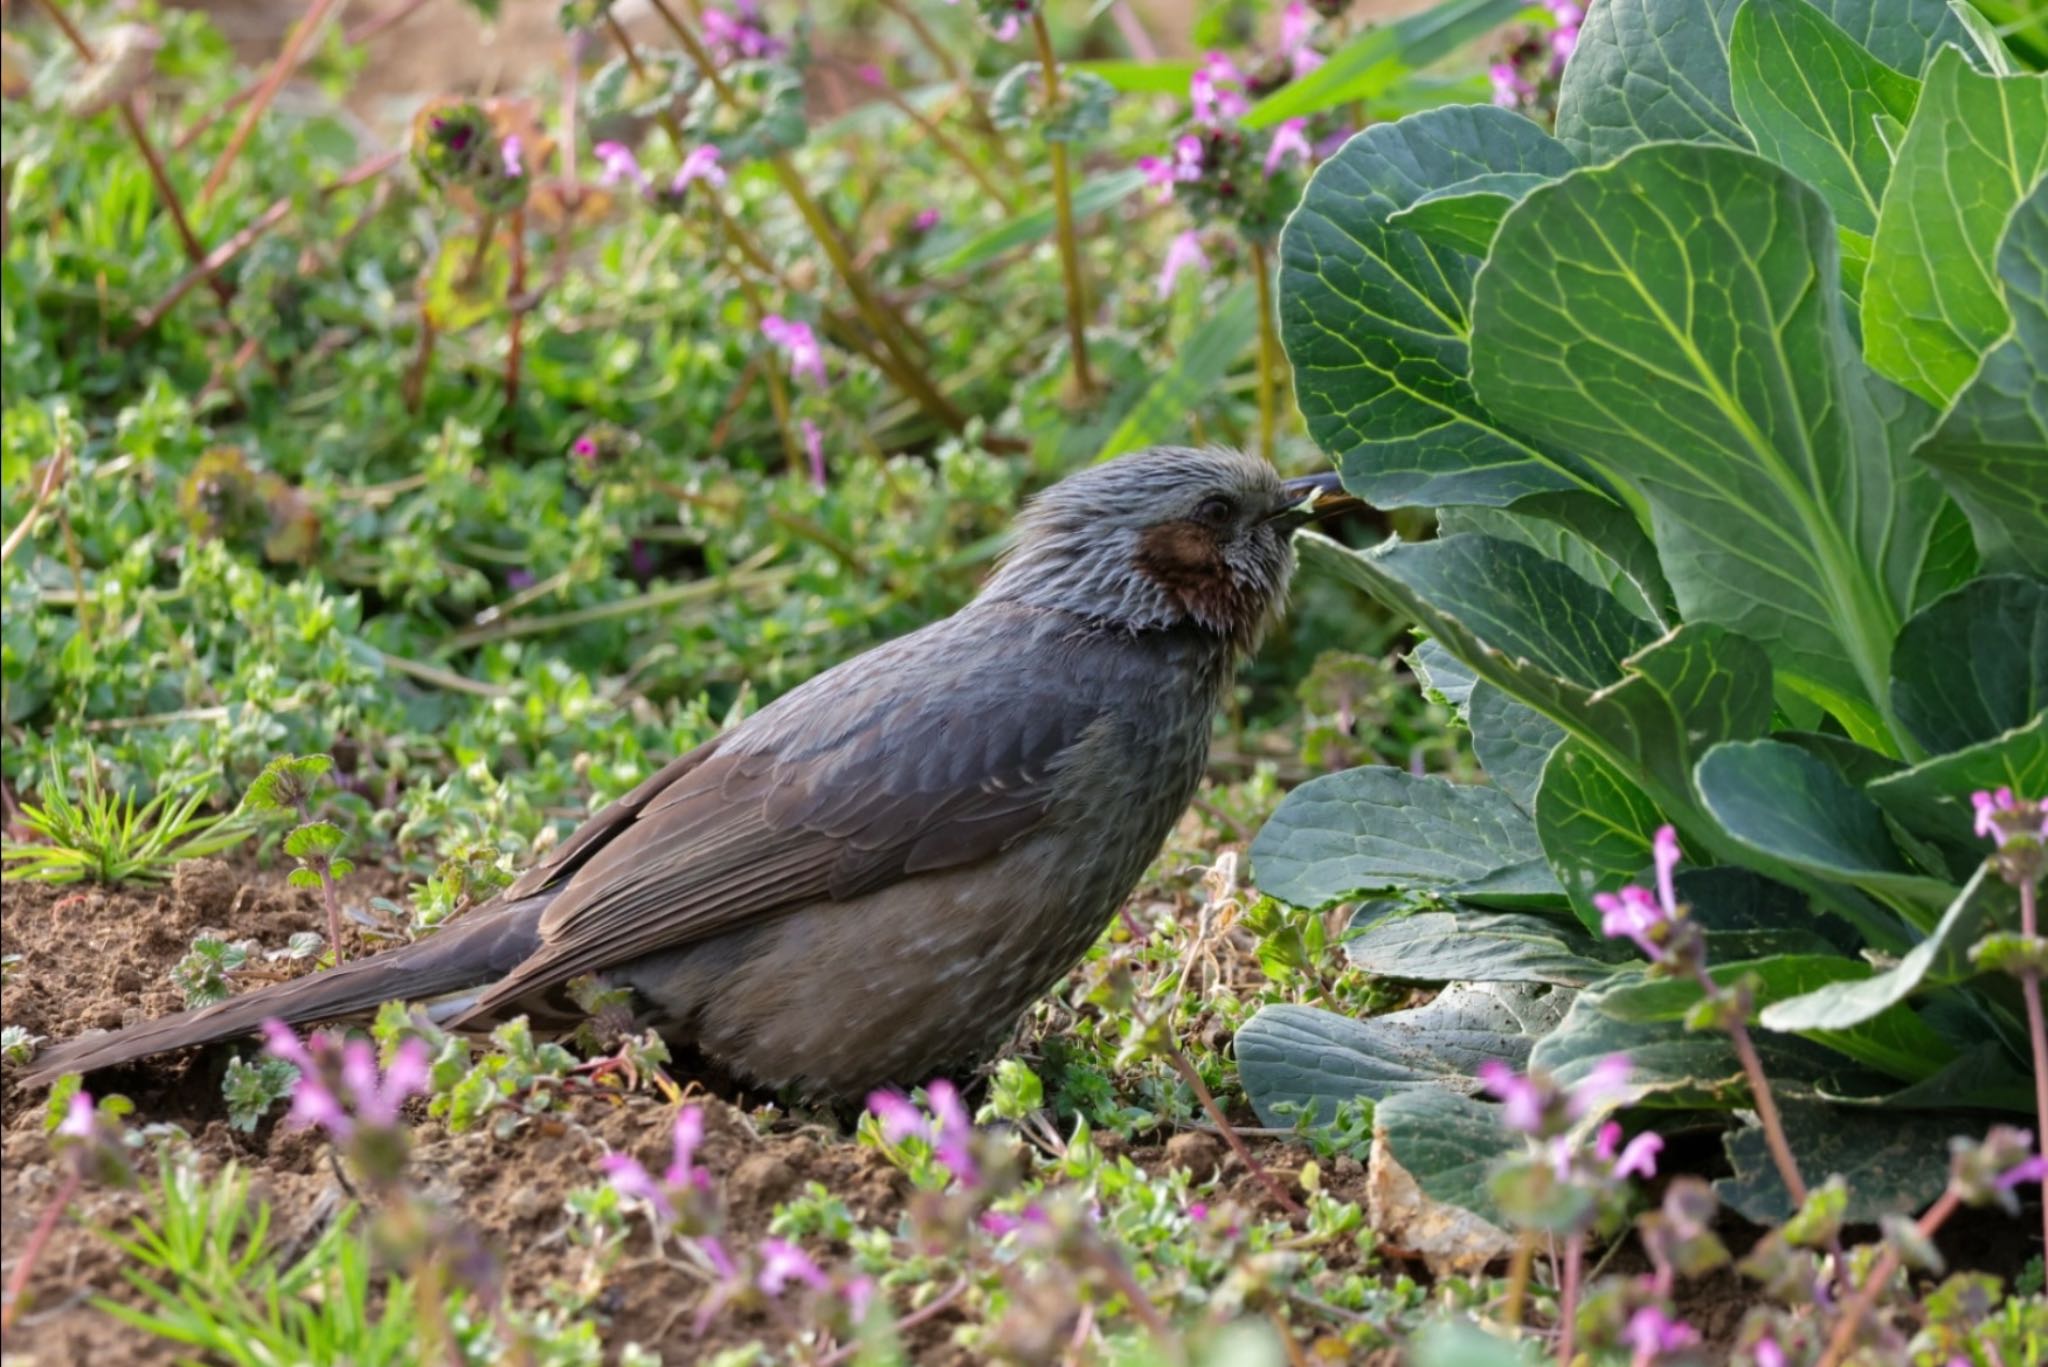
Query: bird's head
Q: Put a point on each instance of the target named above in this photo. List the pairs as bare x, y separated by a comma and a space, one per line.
1163, 537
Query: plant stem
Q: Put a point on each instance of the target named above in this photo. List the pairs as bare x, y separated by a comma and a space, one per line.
940, 138
1887, 1263
948, 63
1568, 1298
53, 474
413, 389
287, 62
2037, 1032
889, 330
327, 893
1518, 1276
515, 339
1063, 206
46, 1225
355, 37
1760, 1093
1269, 350
1230, 1136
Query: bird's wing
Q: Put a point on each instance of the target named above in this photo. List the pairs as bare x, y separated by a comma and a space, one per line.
896, 764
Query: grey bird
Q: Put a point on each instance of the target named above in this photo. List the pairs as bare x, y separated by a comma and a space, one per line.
866, 882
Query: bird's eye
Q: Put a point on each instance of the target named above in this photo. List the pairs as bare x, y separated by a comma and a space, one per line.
1215, 510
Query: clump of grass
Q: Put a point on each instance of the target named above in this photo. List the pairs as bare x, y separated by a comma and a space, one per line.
105, 837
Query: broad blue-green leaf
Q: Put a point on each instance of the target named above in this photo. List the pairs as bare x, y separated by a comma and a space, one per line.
1591, 534
1992, 445
1379, 829
1532, 627
1466, 215
1376, 319
1781, 802
1511, 741
1449, 1143
1673, 1066
1654, 70
1810, 97
1940, 959
1201, 363
1672, 317
1894, 1042
1443, 674
1311, 1060
1932, 304
1381, 57
1894, 1164
1461, 1343
1595, 826
1466, 944
1932, 799
1973, 665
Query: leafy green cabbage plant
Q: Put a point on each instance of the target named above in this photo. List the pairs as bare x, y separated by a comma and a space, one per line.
1732, 398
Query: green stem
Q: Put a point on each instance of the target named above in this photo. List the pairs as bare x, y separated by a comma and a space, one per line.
1063, 205
1269, 351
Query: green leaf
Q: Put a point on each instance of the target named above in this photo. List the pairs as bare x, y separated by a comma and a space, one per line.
1298, 1060
1378, 829
1511, 741
1379, 58
1466, 944
1034, 225
1932, 799
1786, 804
460, 290
1672, 318
1984, 41
1466, 215
1450, 1144
1811, 99
1673, 1066
1895, 1042
1161, 413
1375, 318
1141, 78
1893, 1163
1593, 535
1595, 826
1657, 70
1942, 958
1974, 664
1461, 1343
1991, 447
1442, 674
1533, 628
312, 839
1931, 302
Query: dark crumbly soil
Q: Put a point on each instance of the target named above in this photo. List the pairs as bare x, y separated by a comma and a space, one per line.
96, 958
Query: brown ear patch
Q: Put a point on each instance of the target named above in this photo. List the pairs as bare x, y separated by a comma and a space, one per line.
1185, 559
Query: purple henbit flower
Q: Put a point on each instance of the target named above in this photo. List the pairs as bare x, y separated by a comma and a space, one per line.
584, 450
1526, 1101
1289, 139
700, 164
340, 1087
1767, 1353
739, 34
81, 1117
1183, 253
926, 220
2003, 818
1652, 1335
1638, 1158
783, 1262
1297, 27
900, 1120
1565, 37
681, 1178
799, 343
1510, 87
508, 151
1216, 90
619, 164
948, 1129
814, 450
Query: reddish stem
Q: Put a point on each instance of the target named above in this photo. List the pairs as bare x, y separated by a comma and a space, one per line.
1229, 1132
1568, 1299
46, 1225
1881, 1272
1760, 1094
287, 62
2037, 1032
515, 342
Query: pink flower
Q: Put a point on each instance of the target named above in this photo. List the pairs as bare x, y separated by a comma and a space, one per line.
1297, 26
1605, 1083
926, 220
2002, 816
340, 1084
508, 150
1509, 86
584, 449
1289, 139
619, 164
1183, 253
1652, 1334
739, 33
701, 163
799, 343
1767, 1353
783, 1262
1006, 28
1633, 913
954, 1132
1216, 90
1637, 1159
900, 1120
81, 1121
1565, 37
1525, 1101
1666, 854
682, 1175
814, 447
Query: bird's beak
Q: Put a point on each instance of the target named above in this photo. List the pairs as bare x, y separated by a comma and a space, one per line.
1311, 498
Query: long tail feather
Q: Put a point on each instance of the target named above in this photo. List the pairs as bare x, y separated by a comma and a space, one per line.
475, 950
